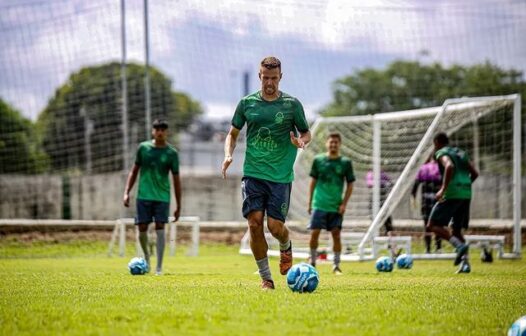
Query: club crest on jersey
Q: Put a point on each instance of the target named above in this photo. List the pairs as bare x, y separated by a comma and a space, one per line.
264, 141
287, 105
279, 118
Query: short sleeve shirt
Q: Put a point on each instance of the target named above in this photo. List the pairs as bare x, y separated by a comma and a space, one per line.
270, 155
330, 175
155, 164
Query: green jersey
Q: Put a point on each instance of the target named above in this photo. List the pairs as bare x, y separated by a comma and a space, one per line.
460, 185
330, 175
270, 155
156, 163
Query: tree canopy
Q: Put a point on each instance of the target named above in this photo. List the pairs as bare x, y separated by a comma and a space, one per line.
84, 115
407, 85
19, 146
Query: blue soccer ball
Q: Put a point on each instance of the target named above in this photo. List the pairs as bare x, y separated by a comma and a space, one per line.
384, 264
303, 278
404, 261
518, 328
138, 266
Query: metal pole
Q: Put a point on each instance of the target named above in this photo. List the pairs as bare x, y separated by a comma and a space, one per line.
517, 175
124, 84
146, 71
377, 166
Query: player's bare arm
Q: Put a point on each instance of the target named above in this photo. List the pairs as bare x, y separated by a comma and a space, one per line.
449, 169
178, 195
348, 193
312, 186
132, 177
473, 172
230, 145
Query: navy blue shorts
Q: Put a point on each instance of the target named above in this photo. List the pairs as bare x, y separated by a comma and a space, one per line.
152, 211
325, 220
270, 197
451, 209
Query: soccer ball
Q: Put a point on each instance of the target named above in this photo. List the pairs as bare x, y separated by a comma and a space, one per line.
404, 261
303, 278
138, 266
384, 264
518, 328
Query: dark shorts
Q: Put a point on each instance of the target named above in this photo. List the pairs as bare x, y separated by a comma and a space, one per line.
270, 197
325, 220
451, 209
152, 211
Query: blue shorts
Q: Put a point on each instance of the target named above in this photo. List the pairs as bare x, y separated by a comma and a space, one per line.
152, 211
270, 197
325, 220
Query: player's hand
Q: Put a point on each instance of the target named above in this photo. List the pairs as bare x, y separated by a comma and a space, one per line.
126, 200
341, 209
177, 213
226, 163
440, 195
309, 209
296, 141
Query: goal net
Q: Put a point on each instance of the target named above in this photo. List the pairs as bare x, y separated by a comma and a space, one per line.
387, 150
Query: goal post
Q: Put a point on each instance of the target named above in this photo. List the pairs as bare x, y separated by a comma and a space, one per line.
119, 234
387, 149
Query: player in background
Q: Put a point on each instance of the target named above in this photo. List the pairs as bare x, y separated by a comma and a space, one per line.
273, 120
385, 186
155, 159
453, 198
329, 172
429, 177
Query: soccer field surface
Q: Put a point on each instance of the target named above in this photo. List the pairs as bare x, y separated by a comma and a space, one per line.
75, 289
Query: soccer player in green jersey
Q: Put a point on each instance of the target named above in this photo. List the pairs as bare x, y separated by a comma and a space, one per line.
273, 120
329, 173
154, 159
453, 198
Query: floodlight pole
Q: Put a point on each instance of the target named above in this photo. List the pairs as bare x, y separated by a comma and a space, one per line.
517, 175
146, 71
124, 92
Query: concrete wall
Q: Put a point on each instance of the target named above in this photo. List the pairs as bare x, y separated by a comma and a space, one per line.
99, 197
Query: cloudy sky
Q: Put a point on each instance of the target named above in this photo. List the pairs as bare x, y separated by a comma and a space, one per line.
205, 46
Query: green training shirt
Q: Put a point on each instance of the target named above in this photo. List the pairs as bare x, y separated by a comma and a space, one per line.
270, 155
330, 175
156, 163
460, 185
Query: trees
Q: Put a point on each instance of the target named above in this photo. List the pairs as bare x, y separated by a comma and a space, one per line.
81, 125
19, 149
407, 85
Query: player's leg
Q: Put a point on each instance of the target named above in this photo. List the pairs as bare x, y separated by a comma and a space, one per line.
254, 200
461, 222
427, 234
334, 225
161, 210
143, 219
388, 225
313, 245
439, 219
318, 221
277, 209
259, 247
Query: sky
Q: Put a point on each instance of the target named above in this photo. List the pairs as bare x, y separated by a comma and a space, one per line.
205, 46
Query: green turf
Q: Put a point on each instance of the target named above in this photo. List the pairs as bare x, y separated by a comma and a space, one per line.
75, 289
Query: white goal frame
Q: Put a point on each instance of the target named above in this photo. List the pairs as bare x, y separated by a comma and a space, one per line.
119, 233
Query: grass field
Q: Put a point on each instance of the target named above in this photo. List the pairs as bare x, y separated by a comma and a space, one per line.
74, 289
